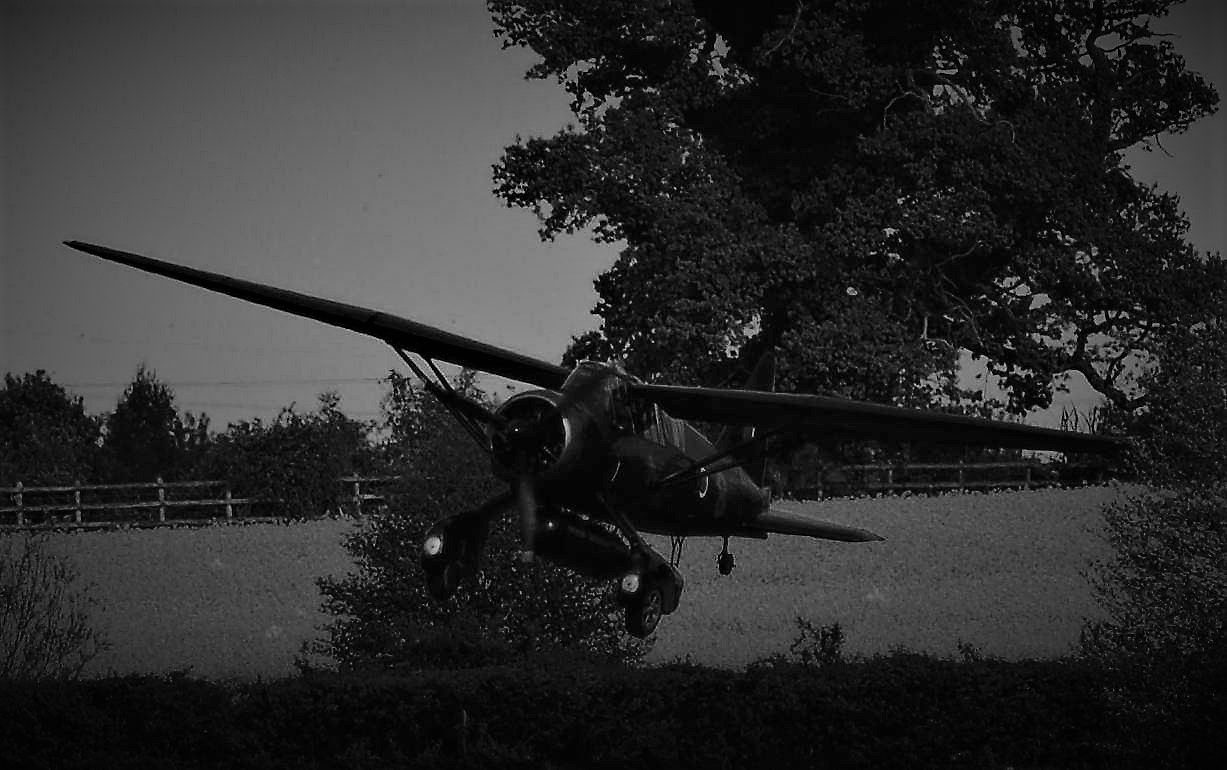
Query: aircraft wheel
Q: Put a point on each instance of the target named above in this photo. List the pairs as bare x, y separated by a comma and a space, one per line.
442, 581
725, 563
645, 612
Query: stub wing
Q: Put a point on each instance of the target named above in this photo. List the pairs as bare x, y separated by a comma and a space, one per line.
860, 420
781, 522
418, 338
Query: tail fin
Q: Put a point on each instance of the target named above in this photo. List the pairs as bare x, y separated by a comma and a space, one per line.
761, 378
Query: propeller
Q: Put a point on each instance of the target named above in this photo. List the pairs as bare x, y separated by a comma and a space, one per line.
526, 500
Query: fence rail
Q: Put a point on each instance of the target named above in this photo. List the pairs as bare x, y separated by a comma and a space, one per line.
81, 506
86, 509
936, 477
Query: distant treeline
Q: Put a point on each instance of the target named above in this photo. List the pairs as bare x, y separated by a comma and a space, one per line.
47, 439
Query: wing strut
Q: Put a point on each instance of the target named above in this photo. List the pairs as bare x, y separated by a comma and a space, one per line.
470, 414
734, 457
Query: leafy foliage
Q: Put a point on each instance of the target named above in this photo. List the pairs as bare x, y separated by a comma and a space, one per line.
45, 435
901, 711
1165, 589
44, 614
1180, 437
295, 459
818, 645
868, 187
508, 611
146, 436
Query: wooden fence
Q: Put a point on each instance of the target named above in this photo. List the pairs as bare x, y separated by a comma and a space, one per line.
158, 503
934, 477
162, 503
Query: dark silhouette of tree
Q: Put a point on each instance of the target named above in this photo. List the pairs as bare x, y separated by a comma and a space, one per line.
45, 435
867, 186
144, 435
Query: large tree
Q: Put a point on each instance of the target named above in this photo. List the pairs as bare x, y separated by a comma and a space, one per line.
869, 186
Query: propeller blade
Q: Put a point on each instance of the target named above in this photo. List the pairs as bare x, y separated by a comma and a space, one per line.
526, 497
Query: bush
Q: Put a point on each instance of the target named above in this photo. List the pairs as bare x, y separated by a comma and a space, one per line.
45, 435
898, 711
818, 645
1165, 590
509, 611
294, 461
44, 627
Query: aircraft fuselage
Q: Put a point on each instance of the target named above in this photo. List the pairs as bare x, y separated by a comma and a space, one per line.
590, 446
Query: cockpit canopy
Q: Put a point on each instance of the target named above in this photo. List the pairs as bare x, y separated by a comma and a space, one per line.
604, 389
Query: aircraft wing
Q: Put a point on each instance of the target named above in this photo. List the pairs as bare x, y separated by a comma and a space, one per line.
418, 338
858, 419
781, 522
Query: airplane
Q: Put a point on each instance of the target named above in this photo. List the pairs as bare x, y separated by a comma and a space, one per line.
593, 457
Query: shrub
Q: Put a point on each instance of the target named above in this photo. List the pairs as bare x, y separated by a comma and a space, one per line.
44, 626
1165, 589
507, 611
45, 435
293, 461
818, 645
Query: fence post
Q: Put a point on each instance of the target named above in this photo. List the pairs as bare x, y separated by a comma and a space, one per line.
890, 478
229, 502
76, 500
962, 478
1027, 478
357, 495
21, 519
161, 500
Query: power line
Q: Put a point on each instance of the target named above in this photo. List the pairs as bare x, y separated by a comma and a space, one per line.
237, 383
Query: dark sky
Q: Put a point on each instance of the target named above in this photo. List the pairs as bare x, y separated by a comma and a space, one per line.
338, 148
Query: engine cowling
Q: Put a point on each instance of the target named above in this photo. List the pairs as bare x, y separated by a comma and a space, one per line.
534, 436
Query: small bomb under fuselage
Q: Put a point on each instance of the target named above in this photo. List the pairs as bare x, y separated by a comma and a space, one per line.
592, 446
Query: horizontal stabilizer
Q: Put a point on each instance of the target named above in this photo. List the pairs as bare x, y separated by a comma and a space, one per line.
793, 523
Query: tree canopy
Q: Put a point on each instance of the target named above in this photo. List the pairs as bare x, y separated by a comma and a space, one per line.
867, 186
45, 435
146, 436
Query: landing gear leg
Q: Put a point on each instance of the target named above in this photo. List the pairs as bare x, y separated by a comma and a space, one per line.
454, 545
725, 561
652, 587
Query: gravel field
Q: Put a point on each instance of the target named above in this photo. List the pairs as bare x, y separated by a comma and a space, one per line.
1000, 571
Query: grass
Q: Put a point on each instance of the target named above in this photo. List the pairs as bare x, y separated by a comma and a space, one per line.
998, 571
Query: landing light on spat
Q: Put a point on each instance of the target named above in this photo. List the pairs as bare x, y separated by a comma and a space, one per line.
630, 584
433, 546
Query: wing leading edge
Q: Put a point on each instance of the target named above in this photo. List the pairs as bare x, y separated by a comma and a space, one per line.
424, 340
858, 419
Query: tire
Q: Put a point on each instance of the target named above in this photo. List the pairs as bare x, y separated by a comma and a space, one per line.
645, 612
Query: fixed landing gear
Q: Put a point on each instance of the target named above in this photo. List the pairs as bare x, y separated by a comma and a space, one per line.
725, 561
453, 548
446, 556
651, 590
644, 610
